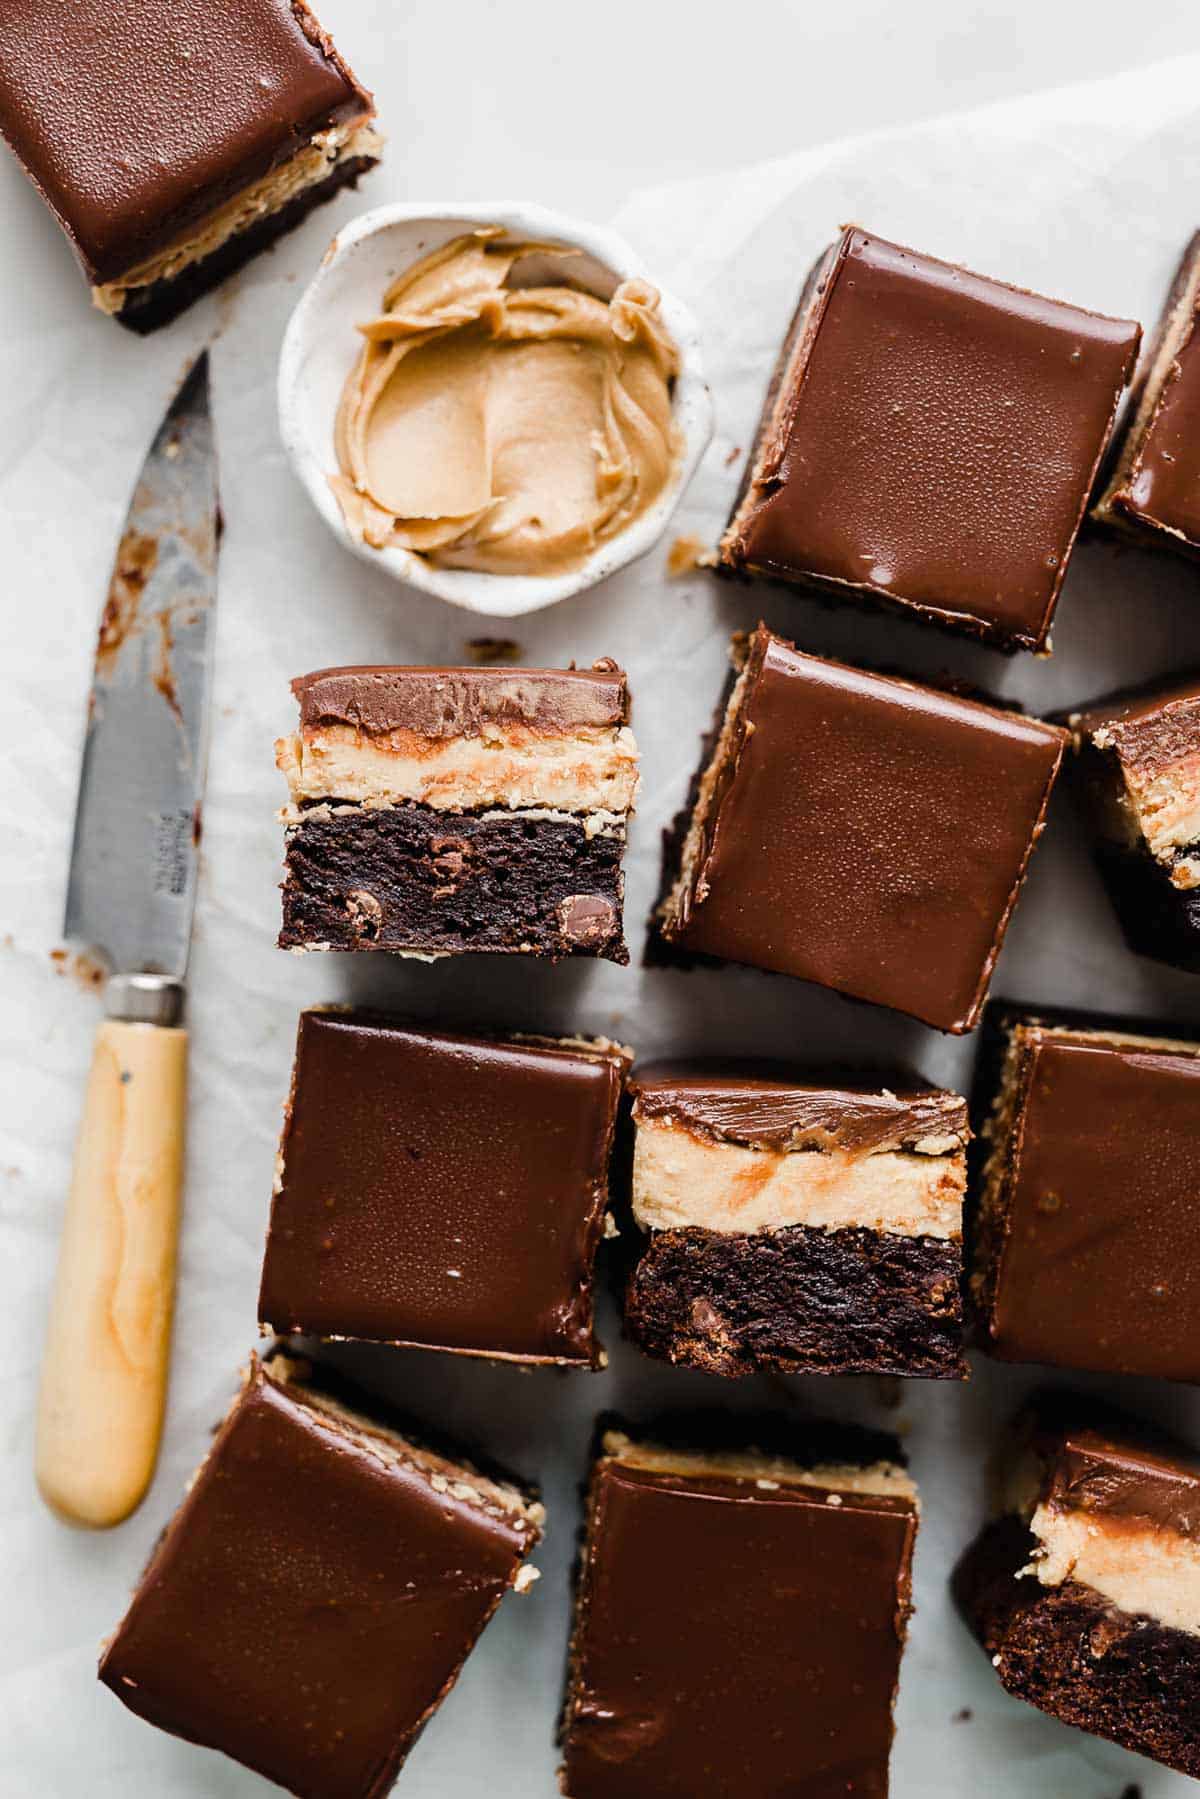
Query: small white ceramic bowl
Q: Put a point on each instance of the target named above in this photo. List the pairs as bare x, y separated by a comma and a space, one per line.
321, 343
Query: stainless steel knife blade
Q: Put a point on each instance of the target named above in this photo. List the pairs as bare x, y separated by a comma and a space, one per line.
132, 883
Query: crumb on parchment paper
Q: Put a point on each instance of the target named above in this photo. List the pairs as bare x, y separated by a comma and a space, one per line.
83, 968
492, 649
686, 555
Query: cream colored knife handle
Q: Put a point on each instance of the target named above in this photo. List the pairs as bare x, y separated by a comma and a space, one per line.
104, 1375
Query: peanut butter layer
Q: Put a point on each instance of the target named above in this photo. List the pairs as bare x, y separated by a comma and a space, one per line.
1138, 1569
509, 766
680, 1179
499, 418
881, 1479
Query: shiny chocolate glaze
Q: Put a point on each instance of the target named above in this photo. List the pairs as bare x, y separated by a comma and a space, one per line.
441, 1191
1162, 486
769, 1108
135, 118
1126, 1479
938, 439
313, 1598
1095, 1251
868, 834
460, 702
735, 1639
1151, 729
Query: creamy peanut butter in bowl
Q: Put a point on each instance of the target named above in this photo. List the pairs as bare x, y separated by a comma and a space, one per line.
494, 404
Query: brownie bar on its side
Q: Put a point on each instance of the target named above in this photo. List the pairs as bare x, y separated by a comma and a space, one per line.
800, 1301
783, 1225
1067, 1651
1084, 1590
1153, 491
693, 1669
316, 1594
440, 811
412, 880
1136, 774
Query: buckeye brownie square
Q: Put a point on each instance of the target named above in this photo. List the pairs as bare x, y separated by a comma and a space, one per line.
442, 1191
1085, 1229
859, 831
788, 1226
316, 1594
1084, 1589
739, 1624
929, 441
174, 139
1153, 492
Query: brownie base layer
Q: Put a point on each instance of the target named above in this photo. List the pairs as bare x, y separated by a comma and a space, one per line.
147, 308
1157, 919
799, 1301
451, 883
1070, 1653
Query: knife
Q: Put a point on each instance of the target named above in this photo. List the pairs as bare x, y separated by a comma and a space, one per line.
130, 898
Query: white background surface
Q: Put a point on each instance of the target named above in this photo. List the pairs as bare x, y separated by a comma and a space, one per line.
1089, 197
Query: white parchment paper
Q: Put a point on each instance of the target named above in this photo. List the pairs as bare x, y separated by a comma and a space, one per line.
1087, 194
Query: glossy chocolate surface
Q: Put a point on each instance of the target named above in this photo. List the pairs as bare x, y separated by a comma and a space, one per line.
870, 835
1150, 730
136, 117
1099, 1259
1163, 485
790, 1114
460, 702
311, 1600
1167, 488
940, 438
735, 1640
441, 1191
1090, 1471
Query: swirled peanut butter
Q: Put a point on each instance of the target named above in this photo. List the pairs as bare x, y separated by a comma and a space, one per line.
505, 427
